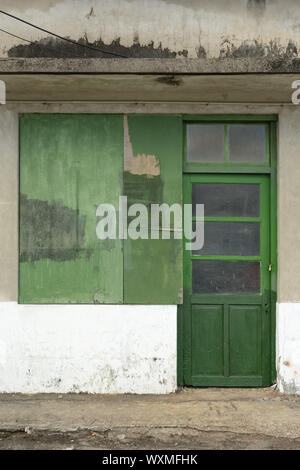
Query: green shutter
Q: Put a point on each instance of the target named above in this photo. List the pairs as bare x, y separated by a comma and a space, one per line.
153, 174
69, 164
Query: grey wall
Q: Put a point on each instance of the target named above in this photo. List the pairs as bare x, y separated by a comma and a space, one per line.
9, 188
155, 28
289, 204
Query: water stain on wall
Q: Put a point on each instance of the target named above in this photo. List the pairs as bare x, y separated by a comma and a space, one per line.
257, 49
50, 230
58, 48
256, 7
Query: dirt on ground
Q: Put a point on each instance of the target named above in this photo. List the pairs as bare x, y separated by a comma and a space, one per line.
190, 419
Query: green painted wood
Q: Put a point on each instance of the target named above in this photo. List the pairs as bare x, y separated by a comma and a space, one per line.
266, 302
231, 117
153, 268
273, 243
217, 381
69, 164
228, 219
226, 257
245, 339
207, 327
180, 342
229, 299
227, 166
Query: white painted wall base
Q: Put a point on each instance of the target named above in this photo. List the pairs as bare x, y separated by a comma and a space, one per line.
288, 347
87, 348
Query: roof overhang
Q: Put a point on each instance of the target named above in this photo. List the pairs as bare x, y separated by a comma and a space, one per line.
134, 80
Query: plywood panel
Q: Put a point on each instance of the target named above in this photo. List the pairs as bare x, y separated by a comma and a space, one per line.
153, 175
69, 164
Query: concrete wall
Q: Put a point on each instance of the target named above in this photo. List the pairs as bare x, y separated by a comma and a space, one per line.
90, 348
154, 28
289, 204
9, 183
288, 347
46, 339
60, 348
288, 307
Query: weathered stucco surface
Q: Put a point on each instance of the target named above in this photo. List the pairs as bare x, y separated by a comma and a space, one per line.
289, 204
126, 87
89, 348
9, 189
288, 246
288, 347
171, 68
154, 28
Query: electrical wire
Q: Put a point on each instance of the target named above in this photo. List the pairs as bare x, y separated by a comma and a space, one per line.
61, 37
26, 40
15, 36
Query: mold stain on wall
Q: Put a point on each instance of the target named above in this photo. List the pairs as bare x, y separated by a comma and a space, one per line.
256, 49
152, 28
56, 48
50, 230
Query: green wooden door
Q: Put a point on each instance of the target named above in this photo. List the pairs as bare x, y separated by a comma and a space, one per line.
226, 311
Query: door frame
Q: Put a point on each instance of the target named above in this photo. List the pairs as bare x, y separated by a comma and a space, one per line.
270, 169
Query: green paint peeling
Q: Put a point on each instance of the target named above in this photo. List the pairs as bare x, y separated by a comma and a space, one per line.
153, 268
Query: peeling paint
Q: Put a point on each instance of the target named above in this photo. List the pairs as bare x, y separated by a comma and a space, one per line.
140, 164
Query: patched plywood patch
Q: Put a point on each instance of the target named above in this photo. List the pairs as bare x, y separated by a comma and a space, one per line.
140, 164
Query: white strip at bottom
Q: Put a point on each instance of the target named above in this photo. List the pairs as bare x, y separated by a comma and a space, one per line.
288, 347
87, 348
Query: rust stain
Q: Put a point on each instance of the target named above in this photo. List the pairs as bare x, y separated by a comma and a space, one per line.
140, 164
287, 363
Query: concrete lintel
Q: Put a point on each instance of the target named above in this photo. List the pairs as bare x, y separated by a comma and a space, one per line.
151, 66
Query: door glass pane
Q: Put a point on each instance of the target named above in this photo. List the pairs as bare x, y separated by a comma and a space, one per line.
205, 143
225, 277
230, 238
227, 200
247, 143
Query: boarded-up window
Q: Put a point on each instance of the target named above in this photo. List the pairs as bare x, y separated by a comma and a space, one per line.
69, 165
